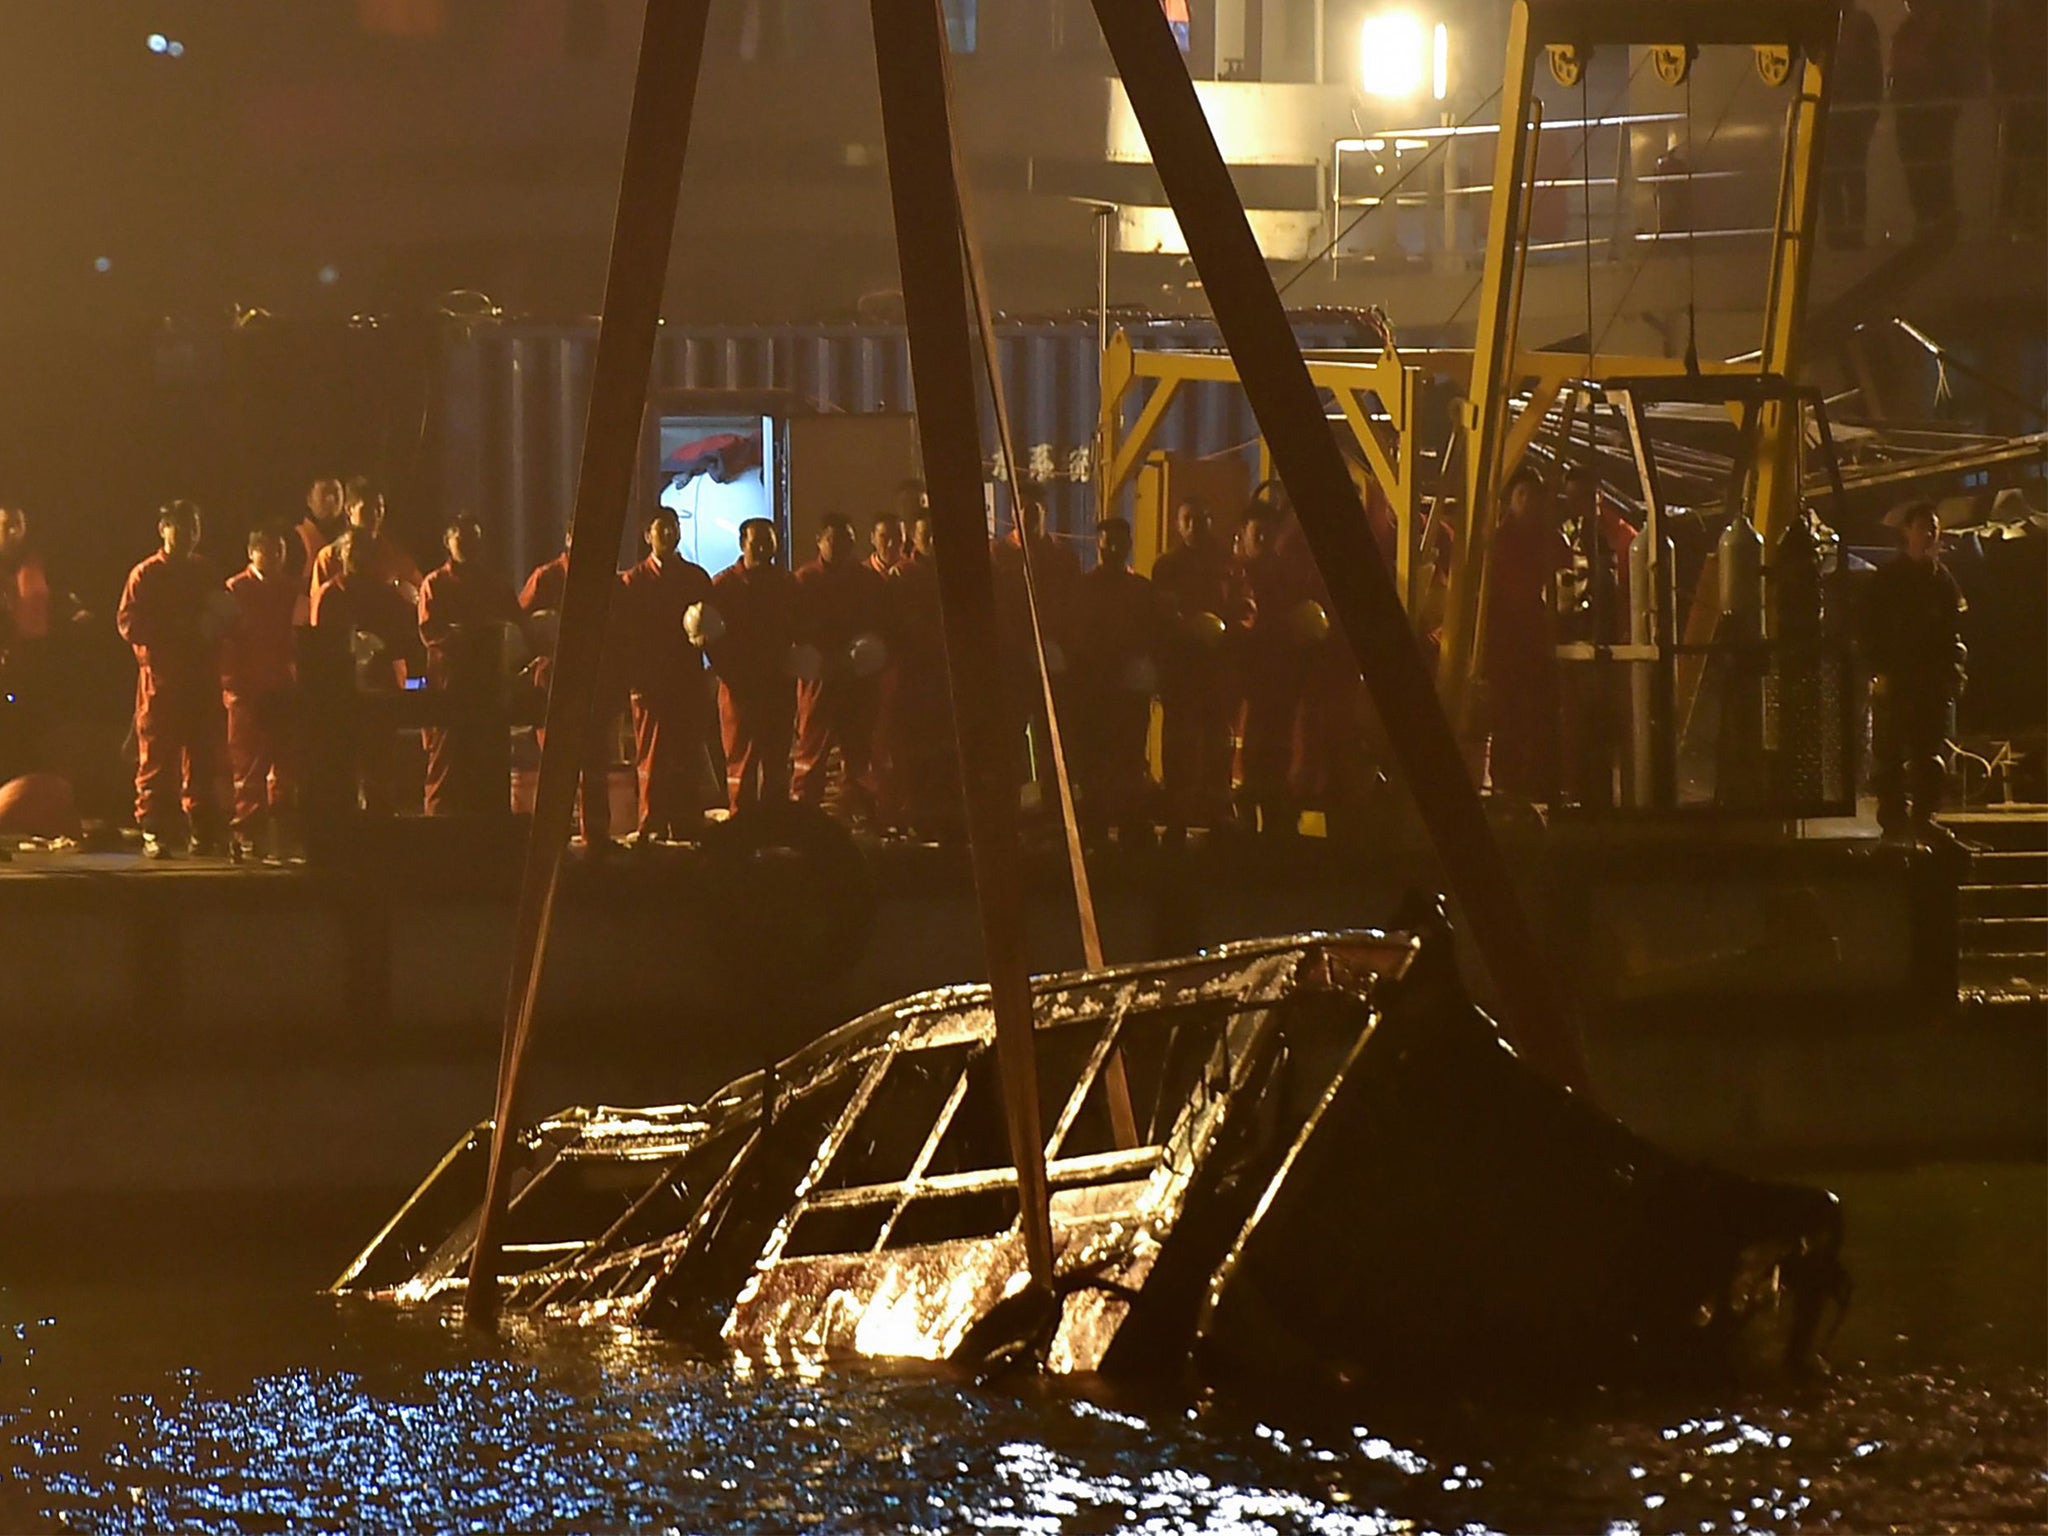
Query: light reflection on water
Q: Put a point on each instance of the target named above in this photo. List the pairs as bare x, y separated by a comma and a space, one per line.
131, 1408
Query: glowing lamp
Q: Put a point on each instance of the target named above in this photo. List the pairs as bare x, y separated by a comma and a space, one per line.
1393, 55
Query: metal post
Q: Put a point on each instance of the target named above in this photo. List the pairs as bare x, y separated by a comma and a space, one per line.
1484, 407
1798, 226
1104, 227
909, 61
657, 135
1366, 604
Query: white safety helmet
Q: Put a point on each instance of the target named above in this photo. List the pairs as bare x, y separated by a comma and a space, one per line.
867, 655
1139, 675
803, 663
704, 624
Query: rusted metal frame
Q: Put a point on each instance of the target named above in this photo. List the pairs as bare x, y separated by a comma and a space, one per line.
1366, 604
840, 1129
598, 1245
1077, 859
1107, 1049
460, 1246
910, 47
1306, 1133
907, 1188
650, 183
1069, 1170
468, 1139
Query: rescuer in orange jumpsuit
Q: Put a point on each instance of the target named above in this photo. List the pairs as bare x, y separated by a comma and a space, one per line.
542, 594
885, 544
256, 674
672, 712
27, 605
839, 612
463, 608
1265, 597
1327, 766
1191, 582
172, 613
387, 646
756, 599
1115, 627
324, 522
376, 553
1519, 649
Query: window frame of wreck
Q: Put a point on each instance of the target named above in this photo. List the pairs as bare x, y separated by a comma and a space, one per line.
832, 1219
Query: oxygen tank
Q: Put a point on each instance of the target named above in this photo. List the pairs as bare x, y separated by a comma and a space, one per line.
1794, 716
1741, 564
1652, 594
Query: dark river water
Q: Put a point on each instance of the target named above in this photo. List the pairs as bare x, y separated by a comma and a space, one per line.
243, 1402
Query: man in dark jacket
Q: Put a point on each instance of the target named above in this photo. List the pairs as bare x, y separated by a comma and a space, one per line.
1911, 617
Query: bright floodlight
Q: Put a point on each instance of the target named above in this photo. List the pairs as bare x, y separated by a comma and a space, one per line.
1393, 55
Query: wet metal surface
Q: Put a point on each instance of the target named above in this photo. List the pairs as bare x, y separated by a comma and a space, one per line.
236, 1403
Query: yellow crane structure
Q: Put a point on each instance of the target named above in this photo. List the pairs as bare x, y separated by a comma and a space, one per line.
1793, 43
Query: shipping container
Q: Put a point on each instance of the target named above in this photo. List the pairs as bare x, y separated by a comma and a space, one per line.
512, 397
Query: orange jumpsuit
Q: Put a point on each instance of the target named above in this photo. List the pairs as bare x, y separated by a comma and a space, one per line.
469, 760
386, 561
256, 675
542, 593
366, 605
1115, 629
834, 605
180, 732
756, 694
671, 710
1195, 687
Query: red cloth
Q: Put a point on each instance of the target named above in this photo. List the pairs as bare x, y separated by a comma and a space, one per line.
1114, 628
671, 709
834, 605
1519, 654
545, 585
180, 734
756, 695
1196, 687
385, 561
256, 671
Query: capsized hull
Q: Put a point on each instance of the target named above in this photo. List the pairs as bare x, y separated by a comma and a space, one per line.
1331, 1165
